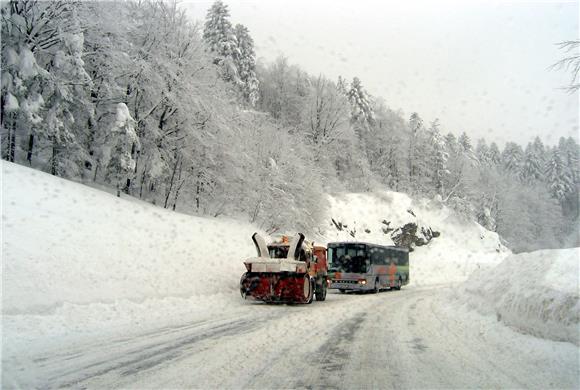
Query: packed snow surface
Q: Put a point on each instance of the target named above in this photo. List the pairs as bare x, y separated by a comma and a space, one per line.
536, 293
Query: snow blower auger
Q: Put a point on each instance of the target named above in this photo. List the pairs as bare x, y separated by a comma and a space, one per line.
286, 271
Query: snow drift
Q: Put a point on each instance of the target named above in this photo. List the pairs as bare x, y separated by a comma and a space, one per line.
536, 293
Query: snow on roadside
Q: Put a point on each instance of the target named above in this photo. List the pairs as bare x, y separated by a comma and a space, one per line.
462, 247
536, 293
65, 243
79, 263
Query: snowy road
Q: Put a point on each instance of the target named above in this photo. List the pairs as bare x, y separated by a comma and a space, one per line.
396, 339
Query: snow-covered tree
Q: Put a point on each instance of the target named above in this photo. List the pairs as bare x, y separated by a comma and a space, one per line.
246, 64
482, 152
466, 147
415, 128
221, 40
494, 155
362, 111
327, 113
125, 144
558, 177
438, 157
532, 165
512, 157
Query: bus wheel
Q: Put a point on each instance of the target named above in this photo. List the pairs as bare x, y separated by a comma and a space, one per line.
399, 284
377, 287
342, 290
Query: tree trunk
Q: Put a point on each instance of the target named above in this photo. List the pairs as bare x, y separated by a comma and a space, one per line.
30, 147
171, 183
179, 186
53, 167
11, 139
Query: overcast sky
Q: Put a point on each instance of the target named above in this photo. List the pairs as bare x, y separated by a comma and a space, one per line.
479, 66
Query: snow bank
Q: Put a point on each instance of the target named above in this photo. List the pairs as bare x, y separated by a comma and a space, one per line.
65, 243
462, 247
536, 293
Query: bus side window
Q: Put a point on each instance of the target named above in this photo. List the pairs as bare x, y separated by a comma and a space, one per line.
380, 256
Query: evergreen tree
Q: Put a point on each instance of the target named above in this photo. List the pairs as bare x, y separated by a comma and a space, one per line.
465, 145
482, 152
221, 40
362, 111
494, 154
341, 86
415, 127
512, 157
246, 64
558, 177
451, 144
532, 165
439, 157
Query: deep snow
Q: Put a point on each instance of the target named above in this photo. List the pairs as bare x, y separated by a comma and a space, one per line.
81, 264
536, 293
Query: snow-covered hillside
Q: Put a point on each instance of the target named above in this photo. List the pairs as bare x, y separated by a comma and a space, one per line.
462, 247
65, 243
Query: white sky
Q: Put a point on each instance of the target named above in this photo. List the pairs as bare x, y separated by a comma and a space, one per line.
479, 66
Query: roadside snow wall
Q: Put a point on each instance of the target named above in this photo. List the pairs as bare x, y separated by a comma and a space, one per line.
536, 293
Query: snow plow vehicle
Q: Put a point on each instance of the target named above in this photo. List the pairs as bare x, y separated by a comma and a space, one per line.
286, 271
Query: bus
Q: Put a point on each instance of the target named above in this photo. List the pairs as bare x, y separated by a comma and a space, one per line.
360, 266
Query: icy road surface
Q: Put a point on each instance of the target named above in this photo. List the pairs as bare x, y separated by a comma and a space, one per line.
410, 338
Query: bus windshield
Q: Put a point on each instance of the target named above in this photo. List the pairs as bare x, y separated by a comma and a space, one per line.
350, 258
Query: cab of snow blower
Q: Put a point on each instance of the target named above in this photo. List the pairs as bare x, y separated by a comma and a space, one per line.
288, 270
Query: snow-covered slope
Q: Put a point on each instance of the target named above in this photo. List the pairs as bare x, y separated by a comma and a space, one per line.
537, 293
65, 243
462, 247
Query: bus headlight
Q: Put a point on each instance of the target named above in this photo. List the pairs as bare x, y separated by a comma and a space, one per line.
362, 281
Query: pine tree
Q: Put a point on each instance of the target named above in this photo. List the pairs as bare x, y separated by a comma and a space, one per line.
341, 86
362, 111
512, 157
246, 64
439, 157
221, 40
494, 155
532, 165
465, 145
558, 177
482, 152
415, 127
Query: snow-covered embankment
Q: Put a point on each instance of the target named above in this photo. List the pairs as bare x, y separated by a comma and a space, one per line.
536, 293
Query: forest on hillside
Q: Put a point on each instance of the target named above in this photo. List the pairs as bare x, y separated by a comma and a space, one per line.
135, 96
